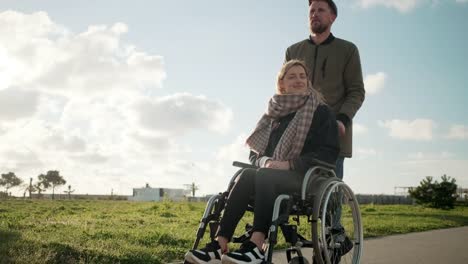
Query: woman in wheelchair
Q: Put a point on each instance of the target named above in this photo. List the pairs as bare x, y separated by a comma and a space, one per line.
297, 129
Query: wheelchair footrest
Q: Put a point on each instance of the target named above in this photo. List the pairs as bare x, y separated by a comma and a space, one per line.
298, 259
305, 243
291, 236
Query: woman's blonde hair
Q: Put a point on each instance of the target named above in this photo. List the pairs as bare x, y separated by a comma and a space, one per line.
286, 67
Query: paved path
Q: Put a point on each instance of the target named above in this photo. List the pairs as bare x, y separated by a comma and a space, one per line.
431, 247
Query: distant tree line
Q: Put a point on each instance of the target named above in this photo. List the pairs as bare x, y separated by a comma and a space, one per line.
52, 179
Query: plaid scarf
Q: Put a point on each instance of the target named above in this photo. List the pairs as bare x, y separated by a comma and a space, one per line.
292, 141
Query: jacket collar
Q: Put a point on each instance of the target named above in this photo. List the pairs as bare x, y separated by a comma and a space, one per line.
326, 42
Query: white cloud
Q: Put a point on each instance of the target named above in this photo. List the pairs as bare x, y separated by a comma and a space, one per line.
85, 106
374, 83
359, 129
455, 168
97, 120
179, 113
61, 141
19, 159
367, 151
17, 103
431, 156
156, 146
49, 143
418, 129
155, 143
43, 55
221, 167
364, 153
400, 5
236, 151
416, 156
360, 174
90, 158
458, 132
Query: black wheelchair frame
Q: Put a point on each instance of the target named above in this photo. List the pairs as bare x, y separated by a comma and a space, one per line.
320, 186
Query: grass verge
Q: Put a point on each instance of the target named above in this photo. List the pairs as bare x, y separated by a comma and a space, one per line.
44, 231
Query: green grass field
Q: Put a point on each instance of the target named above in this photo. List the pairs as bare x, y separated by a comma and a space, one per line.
44, 231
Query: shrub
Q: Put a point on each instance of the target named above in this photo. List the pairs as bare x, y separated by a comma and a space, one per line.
435, 194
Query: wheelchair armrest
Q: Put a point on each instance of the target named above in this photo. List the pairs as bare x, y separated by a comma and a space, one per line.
321, 167
244, 165
324, 164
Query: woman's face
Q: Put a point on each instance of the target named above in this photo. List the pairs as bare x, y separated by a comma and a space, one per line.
294, 81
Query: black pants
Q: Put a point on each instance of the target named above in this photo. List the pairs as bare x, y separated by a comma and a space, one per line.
263, 185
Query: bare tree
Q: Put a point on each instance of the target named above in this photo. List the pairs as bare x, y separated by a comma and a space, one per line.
39, 187
30, 188
69, 192
192, 188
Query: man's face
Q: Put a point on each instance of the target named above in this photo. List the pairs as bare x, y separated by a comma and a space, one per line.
320, 17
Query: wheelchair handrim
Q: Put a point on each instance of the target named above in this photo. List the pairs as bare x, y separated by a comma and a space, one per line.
358, 234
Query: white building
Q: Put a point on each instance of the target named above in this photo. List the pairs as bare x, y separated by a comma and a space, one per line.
157, 194
462, 194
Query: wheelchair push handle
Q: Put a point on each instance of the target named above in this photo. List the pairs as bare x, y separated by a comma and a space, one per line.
244, 165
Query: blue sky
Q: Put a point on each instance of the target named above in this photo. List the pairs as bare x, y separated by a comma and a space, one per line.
116, 94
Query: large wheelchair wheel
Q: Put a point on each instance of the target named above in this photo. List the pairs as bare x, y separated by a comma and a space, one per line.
336, 228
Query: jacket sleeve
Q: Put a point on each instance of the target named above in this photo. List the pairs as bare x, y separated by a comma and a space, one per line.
257, 160
322, 142
354, 86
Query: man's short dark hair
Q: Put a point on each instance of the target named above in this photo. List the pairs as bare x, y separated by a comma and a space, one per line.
330, 3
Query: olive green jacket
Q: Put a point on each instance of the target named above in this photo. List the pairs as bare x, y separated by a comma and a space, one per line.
335, 71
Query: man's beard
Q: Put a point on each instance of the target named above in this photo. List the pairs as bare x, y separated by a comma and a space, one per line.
318, 28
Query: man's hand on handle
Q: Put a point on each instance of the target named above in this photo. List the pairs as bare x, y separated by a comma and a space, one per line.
341, 128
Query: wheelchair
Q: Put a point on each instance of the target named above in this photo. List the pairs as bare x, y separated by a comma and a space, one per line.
324, 201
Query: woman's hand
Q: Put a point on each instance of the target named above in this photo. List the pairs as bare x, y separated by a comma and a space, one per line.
277, 164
